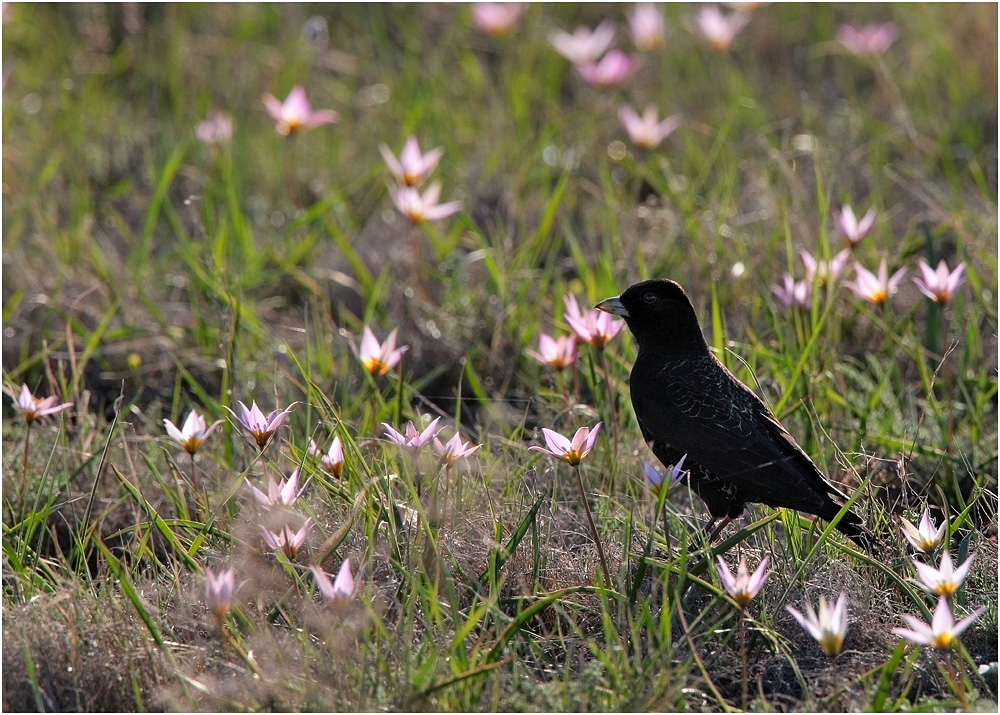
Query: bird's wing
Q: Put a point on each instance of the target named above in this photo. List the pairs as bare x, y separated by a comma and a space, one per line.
788, 444
685, 401
700, 410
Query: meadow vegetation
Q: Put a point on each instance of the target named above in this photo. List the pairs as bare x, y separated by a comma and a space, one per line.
152, 267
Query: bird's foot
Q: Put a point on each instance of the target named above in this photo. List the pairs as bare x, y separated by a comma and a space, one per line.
713, 533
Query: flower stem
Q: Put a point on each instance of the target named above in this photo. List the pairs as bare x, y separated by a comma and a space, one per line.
24, 476
194, 483
593, 528
743, 657
415, 245
613, 414
444, 500
666, 531
611, 396
946, 356
564, 382
955, 679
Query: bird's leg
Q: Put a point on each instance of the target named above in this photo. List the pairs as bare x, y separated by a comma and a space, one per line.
710, 524
718, 530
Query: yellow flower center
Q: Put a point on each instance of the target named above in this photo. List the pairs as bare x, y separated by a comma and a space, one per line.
946, 588
261, 437
376, 366
289, 126
573, 456
943, 641
831, 643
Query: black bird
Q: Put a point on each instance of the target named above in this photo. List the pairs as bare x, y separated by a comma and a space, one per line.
687, 402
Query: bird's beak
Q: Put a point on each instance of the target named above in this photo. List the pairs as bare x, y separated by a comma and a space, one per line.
613, 306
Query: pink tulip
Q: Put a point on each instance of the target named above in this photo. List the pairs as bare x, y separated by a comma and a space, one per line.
555, 352
646, 25
584, 45
34, 407
940, 285
614, 68
868, 39
646, 131
571, 452
295, 113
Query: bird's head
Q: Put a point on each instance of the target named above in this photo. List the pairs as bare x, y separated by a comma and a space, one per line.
658, 312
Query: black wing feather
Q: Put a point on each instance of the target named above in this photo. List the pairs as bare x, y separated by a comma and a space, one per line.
698, 408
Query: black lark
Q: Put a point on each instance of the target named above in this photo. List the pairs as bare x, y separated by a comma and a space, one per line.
687, 402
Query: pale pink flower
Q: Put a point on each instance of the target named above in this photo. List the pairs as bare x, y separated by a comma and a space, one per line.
942, 631
34, 407
868, 40
341, 589
497, 18
594, 327
584, 45
422, 207
743, 587
555, 352
646, 25
333, 461
850, 228
646, 131
828, 627
822, 271
194, 432
945, 580
286, 540
571, 452
283, 493
216, 129
926, 537
454, 449
940, 285
720, 29
261, 428
295, 113
876, 289
657, 481
219, 590
614, 68
379, 358
793, 294
411, 439
412, 167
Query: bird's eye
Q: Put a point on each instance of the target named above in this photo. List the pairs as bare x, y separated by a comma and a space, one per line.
649, 297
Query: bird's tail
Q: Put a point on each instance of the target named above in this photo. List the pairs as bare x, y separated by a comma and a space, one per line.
851, 526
